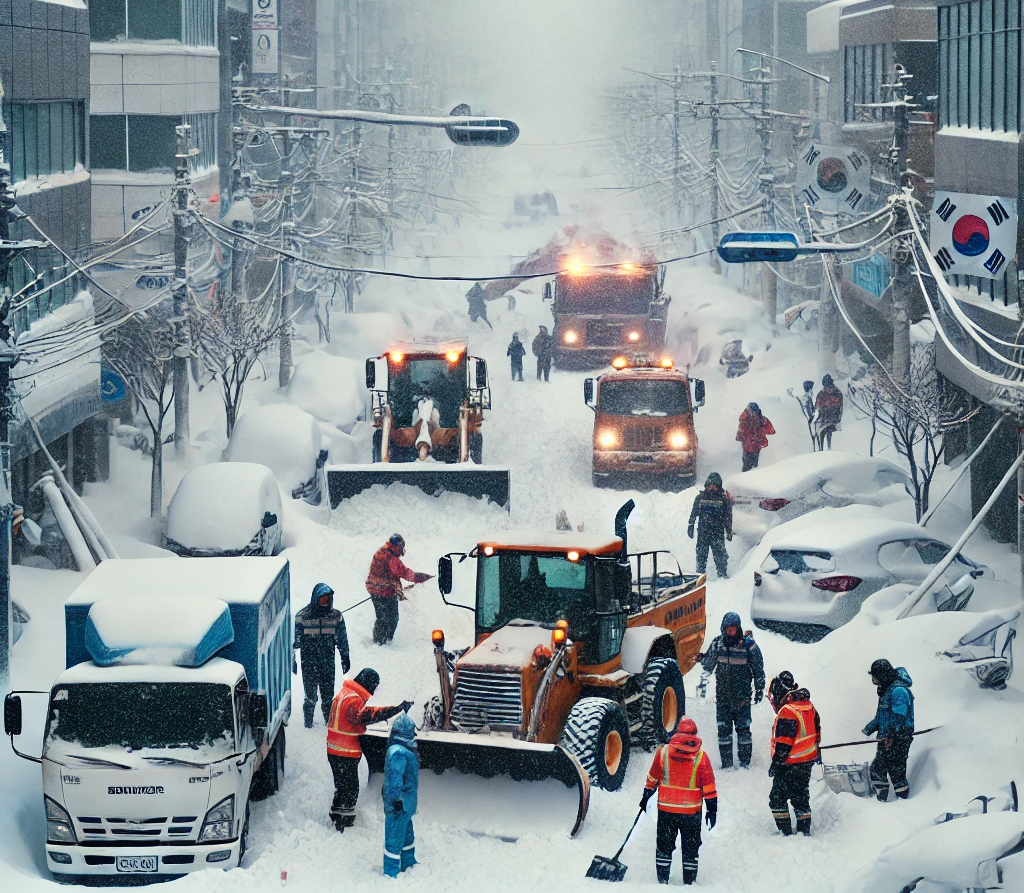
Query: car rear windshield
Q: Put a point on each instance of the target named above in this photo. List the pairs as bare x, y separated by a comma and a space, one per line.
798, 561
650, 398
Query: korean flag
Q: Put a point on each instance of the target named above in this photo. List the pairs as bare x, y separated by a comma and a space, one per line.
973, 235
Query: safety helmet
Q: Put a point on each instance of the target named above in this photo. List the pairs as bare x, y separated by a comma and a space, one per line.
397, 539
780, 687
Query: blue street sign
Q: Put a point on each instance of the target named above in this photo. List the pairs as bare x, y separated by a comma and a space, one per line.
745, 248
112, 388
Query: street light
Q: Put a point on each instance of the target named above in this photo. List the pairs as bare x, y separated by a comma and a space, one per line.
772, 247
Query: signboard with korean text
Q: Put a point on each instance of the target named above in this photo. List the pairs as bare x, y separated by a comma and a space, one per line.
973, 235
264, 51
834, 179
264, 14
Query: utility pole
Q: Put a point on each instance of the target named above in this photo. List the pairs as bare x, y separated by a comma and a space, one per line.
182, 332
285, 276
769, 283
711, 24
713, 158
902, 248
677, 85
8, 357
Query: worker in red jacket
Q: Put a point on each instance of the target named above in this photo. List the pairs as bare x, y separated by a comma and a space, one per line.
384, 583
753, 433
796, 737
348, 720
682, 774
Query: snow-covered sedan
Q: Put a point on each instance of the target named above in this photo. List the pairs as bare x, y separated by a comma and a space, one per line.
224, 509
815, 580
792, 487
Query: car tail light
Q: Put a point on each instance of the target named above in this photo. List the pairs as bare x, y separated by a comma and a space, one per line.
773, 505
842, 583
757, 578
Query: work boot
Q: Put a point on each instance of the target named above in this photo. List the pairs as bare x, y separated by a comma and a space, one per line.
902, 795
725, 752
307, 713
663, 870
783, 822
745, 750
803, 825
689, 873
882, 796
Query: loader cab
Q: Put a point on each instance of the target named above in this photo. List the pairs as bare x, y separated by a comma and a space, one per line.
442, 378
583, 584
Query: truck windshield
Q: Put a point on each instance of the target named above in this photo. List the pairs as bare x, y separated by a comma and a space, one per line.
605, 293
189, 716
655, 398
432, 377
544, 588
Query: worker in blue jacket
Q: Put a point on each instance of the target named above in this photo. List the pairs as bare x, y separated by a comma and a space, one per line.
401, 780
894, 723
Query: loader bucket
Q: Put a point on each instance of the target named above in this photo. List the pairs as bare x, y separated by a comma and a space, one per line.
479, 481
490, 755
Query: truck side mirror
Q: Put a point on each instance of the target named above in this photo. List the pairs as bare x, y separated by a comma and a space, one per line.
481, 373
698, 391
547, 291
588, 391
444, 575
12, 715
259, 711
371, 373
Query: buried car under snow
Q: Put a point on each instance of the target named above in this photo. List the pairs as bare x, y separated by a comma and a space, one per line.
800, 484
224, 509
815, 580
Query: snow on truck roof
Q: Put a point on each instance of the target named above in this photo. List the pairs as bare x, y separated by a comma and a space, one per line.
217, 670
428, 345
554, 541
232, 579
850, 534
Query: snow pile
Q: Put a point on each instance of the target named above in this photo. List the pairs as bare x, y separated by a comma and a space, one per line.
220, 506
510, 646
842, 478
330, 388
182, 631
282, 437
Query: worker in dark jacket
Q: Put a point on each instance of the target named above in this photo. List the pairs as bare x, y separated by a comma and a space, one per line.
477, 299
682, 774
828, 409
348, 720
516, 351
752, 433
543, 349
384, 583
796, 737
737, 664
401, 782
894, 723
713, 509
319, 629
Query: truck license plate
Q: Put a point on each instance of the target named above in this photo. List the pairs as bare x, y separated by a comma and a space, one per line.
136, 863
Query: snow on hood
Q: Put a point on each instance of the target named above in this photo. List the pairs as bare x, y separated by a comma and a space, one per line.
849, 535
330, 388
221, 505
511, 646
842, 474
282, 437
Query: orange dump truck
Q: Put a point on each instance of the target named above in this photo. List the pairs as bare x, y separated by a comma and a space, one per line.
580, 653
643, 423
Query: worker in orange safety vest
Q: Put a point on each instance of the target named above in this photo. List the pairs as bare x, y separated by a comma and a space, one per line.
347, 721
682, 774
796, 737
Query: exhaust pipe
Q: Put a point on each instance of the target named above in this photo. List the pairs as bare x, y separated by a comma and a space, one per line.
621, 516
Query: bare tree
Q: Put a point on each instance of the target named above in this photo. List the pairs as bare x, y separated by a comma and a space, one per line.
917, 422
140, 350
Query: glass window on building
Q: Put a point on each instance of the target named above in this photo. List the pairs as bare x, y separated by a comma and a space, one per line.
147, 143
40, 282
45, 138
193, 22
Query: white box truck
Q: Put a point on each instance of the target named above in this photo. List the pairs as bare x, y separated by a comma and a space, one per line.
169, 717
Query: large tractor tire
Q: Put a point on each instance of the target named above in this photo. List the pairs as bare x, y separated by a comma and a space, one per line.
378, 440
475, 442
662, 700
597, 734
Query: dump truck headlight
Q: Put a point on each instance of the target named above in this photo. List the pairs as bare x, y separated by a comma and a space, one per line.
607, 439
218, 821
570, 337
677, 440
620, 363
58, 823
634, 336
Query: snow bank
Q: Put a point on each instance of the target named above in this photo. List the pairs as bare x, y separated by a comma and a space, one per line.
841, 476
331, 388
183, 631
282, 437
221, 506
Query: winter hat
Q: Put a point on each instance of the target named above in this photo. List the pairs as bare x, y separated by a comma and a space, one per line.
319, 591
781, 686
883, 671
397, 539
403, 731
827, 380
368, 678
754, 408
515, 336
808, 386
732, 619
687, 726
714, 480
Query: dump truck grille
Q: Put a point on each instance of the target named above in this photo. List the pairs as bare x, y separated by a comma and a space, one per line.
483, 697
603, 335
641, 437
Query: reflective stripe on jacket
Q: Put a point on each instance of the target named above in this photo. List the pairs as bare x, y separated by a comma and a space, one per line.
797, 727
683, 776
344, 725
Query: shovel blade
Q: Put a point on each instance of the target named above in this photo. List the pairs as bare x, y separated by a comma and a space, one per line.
605, 869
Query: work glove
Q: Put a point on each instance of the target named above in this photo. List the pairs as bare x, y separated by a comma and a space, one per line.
689, 531
295, 666
711, 817
346, 665
406, 705
396, 805
728, 536
421, 578
647, 794
867, 730
771, 771
759, 696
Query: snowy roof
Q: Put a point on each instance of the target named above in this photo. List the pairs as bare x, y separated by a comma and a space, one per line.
232, 579
218, 671
429, 345
797, 473
554, 541
221, 505
635, 372
850, 534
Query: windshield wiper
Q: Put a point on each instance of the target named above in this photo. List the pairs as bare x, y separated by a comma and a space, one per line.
96, 761
176, 761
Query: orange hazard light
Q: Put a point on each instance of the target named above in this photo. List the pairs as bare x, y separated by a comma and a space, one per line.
558, 636
573, 555
666, 362
452, 356
397, 356
437, 637
620, 363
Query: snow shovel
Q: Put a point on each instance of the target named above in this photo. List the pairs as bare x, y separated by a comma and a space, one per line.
605, 869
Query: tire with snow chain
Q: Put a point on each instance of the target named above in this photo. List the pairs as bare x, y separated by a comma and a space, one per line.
662, 700
597, 734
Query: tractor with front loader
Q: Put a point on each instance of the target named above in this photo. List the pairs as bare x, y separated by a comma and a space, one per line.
580, 653
427, 403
